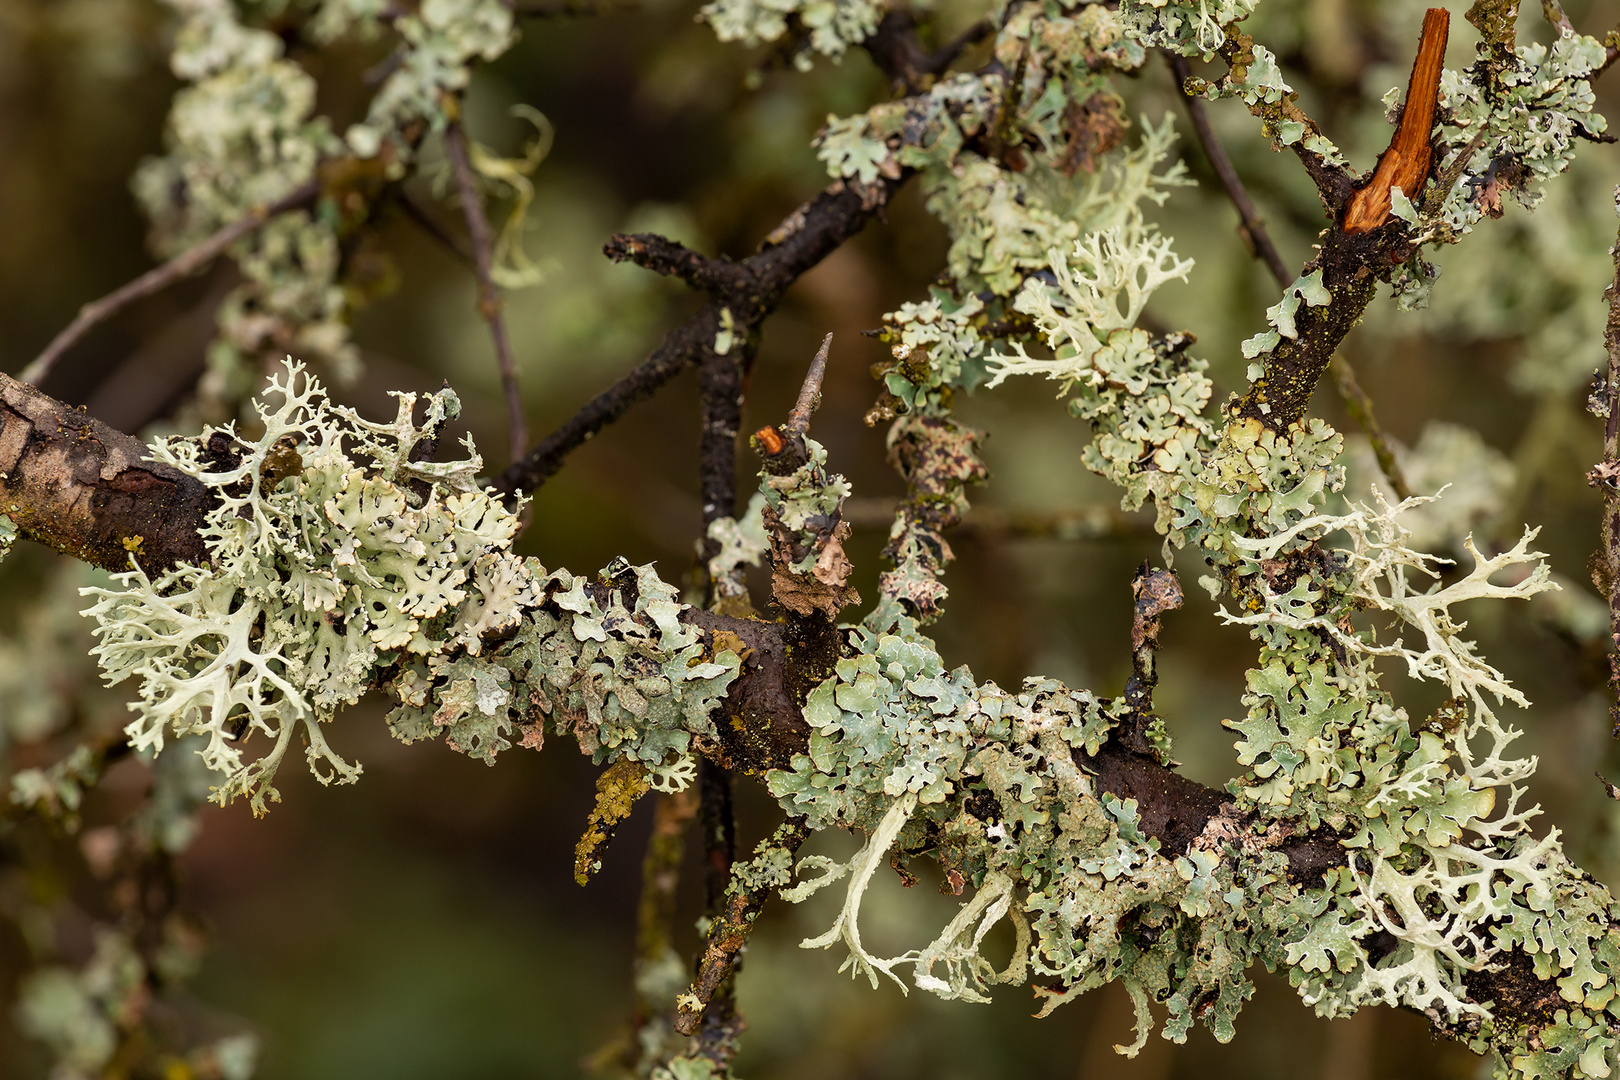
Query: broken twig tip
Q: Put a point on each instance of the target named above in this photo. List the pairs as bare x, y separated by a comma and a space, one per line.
798, 421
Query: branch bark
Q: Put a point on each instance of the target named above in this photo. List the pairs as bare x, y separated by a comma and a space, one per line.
72, 483
83, 488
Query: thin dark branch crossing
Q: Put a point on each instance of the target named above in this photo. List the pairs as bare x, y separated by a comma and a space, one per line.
183, 265
489, 295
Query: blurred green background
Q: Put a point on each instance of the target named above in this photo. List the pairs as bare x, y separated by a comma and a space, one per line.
424, 924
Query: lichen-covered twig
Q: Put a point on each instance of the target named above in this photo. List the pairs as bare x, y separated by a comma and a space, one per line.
1253, 229
1605, 476
183, 265
1250, 224
1208, 831
489, 295
1154, 592
728, 933
617, 789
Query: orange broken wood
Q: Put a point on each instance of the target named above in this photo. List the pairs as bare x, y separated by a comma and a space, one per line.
1406, 163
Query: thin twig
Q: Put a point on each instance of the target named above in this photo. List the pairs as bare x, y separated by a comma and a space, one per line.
655, 913
1606, 478
161, 277
728, 933
1251, 225
1359, 406
1554, 13
423, 218
489, 297
798, 421
946, 55
662, 255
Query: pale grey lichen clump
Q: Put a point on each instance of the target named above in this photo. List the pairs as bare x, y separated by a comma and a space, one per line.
328, 578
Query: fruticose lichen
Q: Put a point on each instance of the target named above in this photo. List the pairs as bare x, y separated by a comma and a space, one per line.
328, 578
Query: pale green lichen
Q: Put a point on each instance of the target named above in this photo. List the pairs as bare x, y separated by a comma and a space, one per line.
327, 577
1187, 28
241, 135
828, 27
1512, 122
440, 40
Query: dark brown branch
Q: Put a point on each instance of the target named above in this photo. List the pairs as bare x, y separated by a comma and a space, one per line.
721, 389
749, 291
1250, 223
1334, 183
489, 296
803, 239
77, 486
1253, 230
675, 354
673, 259
183, 265
83, 488
1351, 267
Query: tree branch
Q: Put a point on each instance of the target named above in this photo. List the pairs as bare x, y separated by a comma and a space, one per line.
77, 486
671, 258
489, 296
161, 277
805, 237
79, 483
